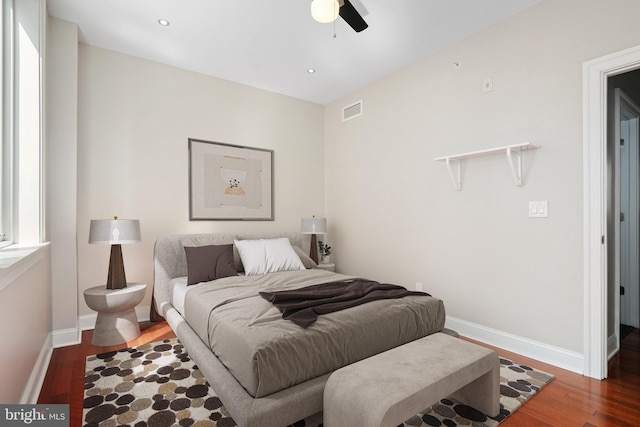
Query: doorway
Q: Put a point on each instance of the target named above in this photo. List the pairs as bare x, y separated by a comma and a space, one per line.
598, 298
623, 213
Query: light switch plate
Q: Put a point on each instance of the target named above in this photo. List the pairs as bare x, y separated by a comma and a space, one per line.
539, 209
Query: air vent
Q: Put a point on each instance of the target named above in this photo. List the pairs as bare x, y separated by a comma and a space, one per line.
351, 111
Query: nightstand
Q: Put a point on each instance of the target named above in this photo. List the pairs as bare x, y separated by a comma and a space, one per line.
328, 266
117, 322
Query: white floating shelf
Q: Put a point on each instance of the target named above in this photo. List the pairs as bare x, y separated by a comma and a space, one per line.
454, 161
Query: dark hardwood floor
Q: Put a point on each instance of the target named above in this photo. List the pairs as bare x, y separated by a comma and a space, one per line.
64, 382
570, 400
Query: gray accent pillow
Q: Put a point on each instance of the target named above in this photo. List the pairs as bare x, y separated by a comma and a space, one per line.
305, 258
211, 262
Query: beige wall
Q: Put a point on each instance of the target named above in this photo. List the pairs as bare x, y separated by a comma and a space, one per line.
61, 179
394, 214
25, 313
134, 119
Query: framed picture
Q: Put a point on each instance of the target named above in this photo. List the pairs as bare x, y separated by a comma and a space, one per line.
229, 182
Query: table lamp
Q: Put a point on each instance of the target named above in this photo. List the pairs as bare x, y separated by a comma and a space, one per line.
115, 232
314, 226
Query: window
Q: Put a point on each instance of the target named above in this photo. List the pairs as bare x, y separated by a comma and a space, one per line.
5, 115
23, 24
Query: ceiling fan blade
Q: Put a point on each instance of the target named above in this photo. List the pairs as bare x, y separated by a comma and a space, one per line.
352, 17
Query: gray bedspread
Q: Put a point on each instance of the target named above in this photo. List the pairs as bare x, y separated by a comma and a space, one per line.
266, 353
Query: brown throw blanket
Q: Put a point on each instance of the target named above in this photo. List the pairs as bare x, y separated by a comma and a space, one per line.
302, 306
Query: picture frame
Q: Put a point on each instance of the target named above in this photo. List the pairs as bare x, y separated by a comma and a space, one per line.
229, 182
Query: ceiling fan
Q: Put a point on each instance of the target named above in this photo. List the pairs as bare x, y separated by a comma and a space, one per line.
326, 11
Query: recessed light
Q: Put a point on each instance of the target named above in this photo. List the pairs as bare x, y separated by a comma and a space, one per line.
311, 70
164, 22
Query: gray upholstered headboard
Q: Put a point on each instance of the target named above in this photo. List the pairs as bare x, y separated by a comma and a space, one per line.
170, 261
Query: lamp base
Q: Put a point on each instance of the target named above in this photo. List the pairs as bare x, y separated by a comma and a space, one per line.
313, 249
116, 278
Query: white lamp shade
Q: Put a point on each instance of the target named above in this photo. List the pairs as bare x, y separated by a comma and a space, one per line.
114, 231
325, 11
314, 225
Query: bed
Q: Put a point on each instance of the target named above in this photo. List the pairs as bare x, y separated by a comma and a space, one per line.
268, 371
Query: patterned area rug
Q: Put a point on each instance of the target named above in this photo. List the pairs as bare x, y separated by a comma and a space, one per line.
158, 385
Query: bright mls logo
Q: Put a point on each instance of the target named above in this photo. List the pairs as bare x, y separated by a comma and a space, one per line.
34, 415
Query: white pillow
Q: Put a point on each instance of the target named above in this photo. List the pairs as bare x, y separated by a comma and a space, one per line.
268, 256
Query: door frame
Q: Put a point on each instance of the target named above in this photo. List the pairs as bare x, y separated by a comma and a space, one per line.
595, 74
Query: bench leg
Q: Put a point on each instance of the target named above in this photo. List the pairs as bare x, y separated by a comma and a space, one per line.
483, 394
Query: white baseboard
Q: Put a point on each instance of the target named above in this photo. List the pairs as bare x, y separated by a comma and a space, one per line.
88, 321
560, 357
34, 383
65, 337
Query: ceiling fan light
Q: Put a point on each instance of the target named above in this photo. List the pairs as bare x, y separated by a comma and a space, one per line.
325, 11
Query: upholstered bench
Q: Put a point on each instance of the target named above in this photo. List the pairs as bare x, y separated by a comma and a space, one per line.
388, 388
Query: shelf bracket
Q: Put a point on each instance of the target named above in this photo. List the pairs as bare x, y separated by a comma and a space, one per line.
516, 169
456, 176
514, 157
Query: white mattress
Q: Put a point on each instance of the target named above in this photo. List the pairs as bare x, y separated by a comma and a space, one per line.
179, 290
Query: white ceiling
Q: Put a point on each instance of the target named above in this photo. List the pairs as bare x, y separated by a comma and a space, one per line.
270, 44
